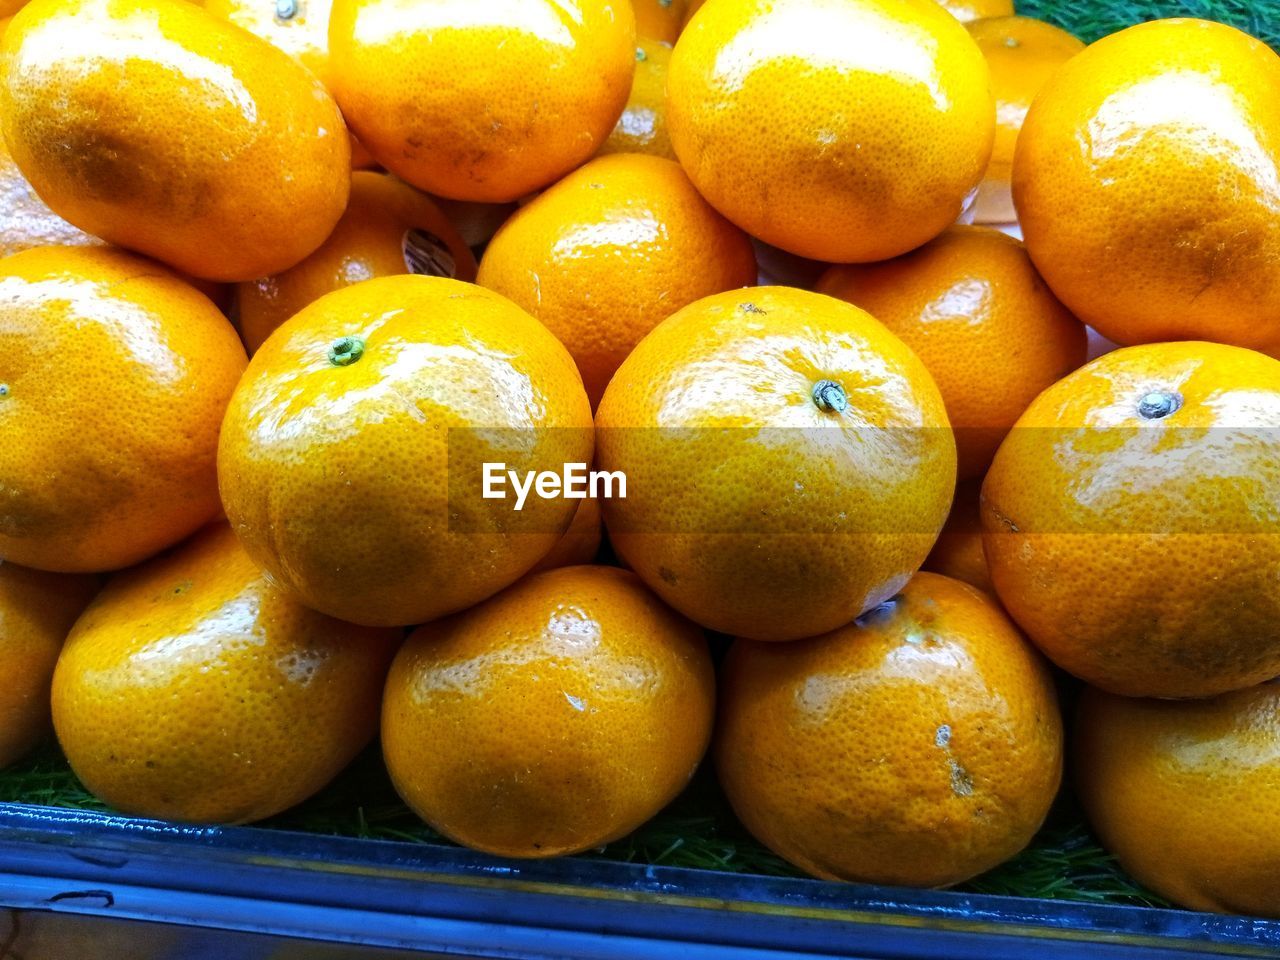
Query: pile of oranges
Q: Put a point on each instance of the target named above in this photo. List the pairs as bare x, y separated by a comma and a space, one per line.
251, 372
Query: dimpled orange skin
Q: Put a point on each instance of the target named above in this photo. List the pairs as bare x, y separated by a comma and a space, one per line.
969, 10
192, 689
958, 552
369, 241
642, 128
840, 130
1183, 793
176, 134
1146, 179
514, 93
25, 220
972, 306
115, 374
749, 508
609, 252
920, 746
358, 486
304, 35
36, 611
1022, 54
580, 543
1139, 552
556, 717
659, 20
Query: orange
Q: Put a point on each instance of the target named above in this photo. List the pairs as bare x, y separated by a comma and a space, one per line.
175, 134
919, 745
193, 689
25, 220
350, 458
580, 543
840, 130
114, 377
476, 222
972, 307
36, 611
642, 128
788, 462
1129, 520
609, 252
1145, 181
958, 552
482, 99
659, 20
1022, 54
388, 228
969, 10
298, 27
1184, 794
556, 717
9, 7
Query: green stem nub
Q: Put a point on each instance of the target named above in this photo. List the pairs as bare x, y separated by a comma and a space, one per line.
1158, 404
346, 351
286, 9
830, 397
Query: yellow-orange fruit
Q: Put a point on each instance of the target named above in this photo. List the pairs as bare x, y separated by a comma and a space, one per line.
1129, 520
972, 306
1022, 54
113, 380
580, 543
970, 10
25, 220
919, 745
482, 99
659, 20
174, 133
350, 462
1146, 183
609, 252
958, 552
1183, 793
553, 718
841, 130
193, 689
298, 27
642, 128
788, 461
36, 611
388, 228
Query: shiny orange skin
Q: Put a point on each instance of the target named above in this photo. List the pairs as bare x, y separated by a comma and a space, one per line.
958, 552
358, 486
840, 130
213, 151
1184, 794
114, 376
514, 93
304, 35
1022, 54
580, 543
36, 611
1138, 551
749, 508
659, 20
369, 241
920, 745
972, 306
556, 717
1146, 183
969, 10
193, 689
609, 252
25, 220
642, 128
9, 7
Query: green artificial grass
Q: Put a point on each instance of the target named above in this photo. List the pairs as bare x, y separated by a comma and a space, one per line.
697, 831
1091, 20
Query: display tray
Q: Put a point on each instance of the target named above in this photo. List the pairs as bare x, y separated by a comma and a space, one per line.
257, 892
